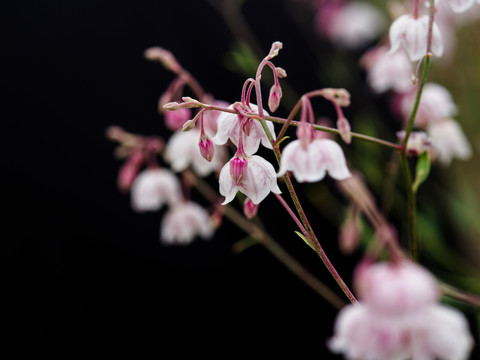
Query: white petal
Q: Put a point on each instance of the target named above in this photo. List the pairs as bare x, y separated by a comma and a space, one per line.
416, 35
460, 5
333, 158
260, 179
437, 41
397, 32
226, 124
227, 186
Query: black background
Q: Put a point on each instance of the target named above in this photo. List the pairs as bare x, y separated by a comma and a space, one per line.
83, 276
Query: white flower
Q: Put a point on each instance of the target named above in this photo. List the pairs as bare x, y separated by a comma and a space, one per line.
152, 188
411, 34
183, 222
418, 142
387, 71
182, 151
399, 318
449, 141
257, 179
436, 104
312, 163
355, 24
229, 128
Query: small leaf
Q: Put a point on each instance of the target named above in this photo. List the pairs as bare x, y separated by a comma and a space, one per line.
422, 171
304, 239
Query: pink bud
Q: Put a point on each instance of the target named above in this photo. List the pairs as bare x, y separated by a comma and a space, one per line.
281, 73
349, 235
247, 127
344, 127
128, 172
338, 96
304, 133
206, 147
274, 98
174, 120
238, 169
249, 208
276, 47
164, 56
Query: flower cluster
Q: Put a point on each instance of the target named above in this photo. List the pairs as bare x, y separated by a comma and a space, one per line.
399, 317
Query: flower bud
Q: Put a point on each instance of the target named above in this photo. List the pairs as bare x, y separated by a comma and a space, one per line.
304, 133
274, 98
172, 106
238, 169
249, 208
128, 172
339, 96
188, 125
206, 147
418, 142
164, 56
174, 120
349, 235
344, 127
281, 73
276, 47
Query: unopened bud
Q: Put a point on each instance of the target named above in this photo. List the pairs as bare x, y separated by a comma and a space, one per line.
345, 132
418, 142
128, 172
238, 169
249, 208
349, 235
276, 47
281, 73
340, 96
172, 106
174, 120
164, 56
188, 125
206, 147
274, 98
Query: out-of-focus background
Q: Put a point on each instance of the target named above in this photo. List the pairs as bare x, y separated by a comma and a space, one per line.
85, 277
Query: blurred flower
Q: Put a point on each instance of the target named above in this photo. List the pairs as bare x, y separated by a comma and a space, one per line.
175, 119
399, 317
182, 151
183, 222
418, 142
449, 141
153, 188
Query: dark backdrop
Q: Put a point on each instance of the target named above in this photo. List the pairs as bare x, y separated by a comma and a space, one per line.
83, 276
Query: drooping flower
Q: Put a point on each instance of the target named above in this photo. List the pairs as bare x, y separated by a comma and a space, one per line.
418, 142
449, 141
182, 151
355, 24
183, 222
388, 71
229, 128
251, 175
312, 162
399, 317
436, 104
411, 34
153, 188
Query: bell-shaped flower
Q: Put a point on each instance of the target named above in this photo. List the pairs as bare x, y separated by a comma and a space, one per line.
251, 175
386, 71
229, 128
399, 317
182, 151
449, 141
312, 162
355, 24
153, 188
418, 142
436, 104
411, 34
460, 5
183, 222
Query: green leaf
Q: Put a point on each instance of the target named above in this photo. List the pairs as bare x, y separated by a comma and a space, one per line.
304, 239
422, 171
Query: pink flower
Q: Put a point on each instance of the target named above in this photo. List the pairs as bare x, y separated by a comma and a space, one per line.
399, 318
311, 163
411, 34
460, 5
153, 188
183, 222
182, 151
355, 24
254, 176
449, 141
436, 104
174, 120
229, 128
387, 71
392, 288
